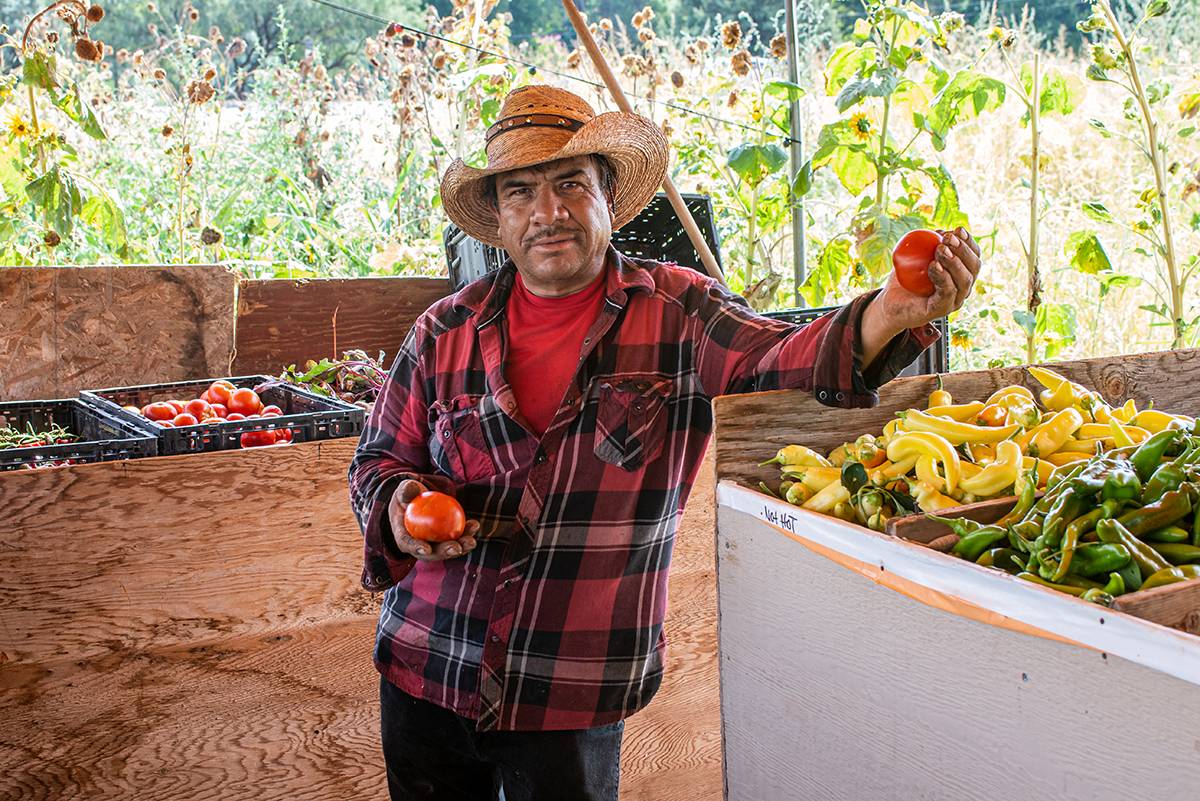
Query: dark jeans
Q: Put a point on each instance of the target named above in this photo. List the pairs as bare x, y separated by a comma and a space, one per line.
433, 754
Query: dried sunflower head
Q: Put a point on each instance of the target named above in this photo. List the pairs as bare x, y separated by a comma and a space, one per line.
236, 48
199, 92
677, 79
209, 74
95, 13
52, 239
779, 47
86, 49
740, 62
210, 236
731, 34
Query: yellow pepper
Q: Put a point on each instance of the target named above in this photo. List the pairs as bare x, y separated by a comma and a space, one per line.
927, 473
999, 475
1053, 434
892, 428
1009, 391
1127, 412
1086, 446
1061, 393
827, 498
1095, 431
1043, 468
924, 443
798, 494
815, 478
930, 500
889, 471
940, 396
1120, 436
1047, 378
954, 432
970, 469
962, 412
982, 454
797, 456
1021, 410
1154, 421
1064, 458
838, 456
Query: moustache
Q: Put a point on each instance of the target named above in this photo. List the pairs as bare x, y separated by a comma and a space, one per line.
549, 233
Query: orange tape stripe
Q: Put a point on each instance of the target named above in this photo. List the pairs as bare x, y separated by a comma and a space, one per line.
925, 595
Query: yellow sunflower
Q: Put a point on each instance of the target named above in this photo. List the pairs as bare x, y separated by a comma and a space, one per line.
18, 128
861, 127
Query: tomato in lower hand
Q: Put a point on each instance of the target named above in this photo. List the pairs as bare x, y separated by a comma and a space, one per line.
434, 517
912, 258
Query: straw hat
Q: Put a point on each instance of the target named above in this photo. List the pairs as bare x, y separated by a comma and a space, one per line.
538, 124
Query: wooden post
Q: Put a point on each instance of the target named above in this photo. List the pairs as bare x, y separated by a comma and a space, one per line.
614, 88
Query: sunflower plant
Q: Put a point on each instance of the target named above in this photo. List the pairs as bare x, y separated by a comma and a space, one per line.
43, 192
897, 102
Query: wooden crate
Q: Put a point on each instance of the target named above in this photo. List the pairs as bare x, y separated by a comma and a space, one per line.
860, 666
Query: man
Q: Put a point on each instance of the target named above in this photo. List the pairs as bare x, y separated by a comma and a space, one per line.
565, 401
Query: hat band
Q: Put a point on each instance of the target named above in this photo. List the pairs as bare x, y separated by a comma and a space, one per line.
531, 121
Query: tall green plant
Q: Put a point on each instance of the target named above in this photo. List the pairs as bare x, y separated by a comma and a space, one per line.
899, 102
1115, 60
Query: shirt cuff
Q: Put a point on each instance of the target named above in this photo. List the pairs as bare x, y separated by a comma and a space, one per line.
383, 563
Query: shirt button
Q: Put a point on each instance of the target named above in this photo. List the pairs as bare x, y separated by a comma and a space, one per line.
840, 396
446, 434
495, 638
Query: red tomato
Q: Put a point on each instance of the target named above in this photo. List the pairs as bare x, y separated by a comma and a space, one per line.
231, 416
204, 396
912, 257
179, 406
245, 401
269, 414
185, 419
283, 435
434, 517
219, 410
272, 408
164, 423
198, 408
160, 411
220, 392
256, 439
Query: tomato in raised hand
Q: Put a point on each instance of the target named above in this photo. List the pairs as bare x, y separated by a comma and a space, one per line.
434, 517
912, 257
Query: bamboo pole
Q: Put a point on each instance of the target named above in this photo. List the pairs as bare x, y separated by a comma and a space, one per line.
681, 210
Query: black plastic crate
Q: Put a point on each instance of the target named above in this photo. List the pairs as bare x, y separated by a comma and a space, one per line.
102, 437
656, 233
933, 360
308, 415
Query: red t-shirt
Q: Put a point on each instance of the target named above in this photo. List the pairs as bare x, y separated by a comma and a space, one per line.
545, 337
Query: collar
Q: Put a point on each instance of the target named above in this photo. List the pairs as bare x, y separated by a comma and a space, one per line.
625, 276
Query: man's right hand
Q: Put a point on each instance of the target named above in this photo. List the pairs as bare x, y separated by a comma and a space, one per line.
425, 551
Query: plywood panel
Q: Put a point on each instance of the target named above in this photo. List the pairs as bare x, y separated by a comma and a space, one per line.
63, 329
750, 428
192, 628
836, 688
187, 628
282, 322
672, 749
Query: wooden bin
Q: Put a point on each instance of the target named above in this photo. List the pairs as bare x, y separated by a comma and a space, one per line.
860, 666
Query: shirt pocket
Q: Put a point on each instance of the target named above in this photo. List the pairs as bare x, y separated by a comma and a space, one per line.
457, 444
631, 419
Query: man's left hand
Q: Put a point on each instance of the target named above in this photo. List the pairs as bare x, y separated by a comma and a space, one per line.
955, 265
954, 269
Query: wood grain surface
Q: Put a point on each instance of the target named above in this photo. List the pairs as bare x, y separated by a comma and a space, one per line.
1175, 605
63, 329
282, 322
836, 688
192, 628
750, 428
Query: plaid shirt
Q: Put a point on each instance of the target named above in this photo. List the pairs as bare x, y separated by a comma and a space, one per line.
555, 620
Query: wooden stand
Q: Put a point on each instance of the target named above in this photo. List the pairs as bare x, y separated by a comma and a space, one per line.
860, 666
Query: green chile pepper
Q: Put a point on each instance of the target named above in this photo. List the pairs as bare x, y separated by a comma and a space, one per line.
1068, 507
1196, 530
1115, 585
1100, 558
1168, 534
1131, 574
1097, 595
959, 525
1168, 509
972, 546
1005, 559
1023, 505
1148, 456
1036, 579
1166, 478
1171, 575
1147, 559
1121, 484
1178, 553
1076, 529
